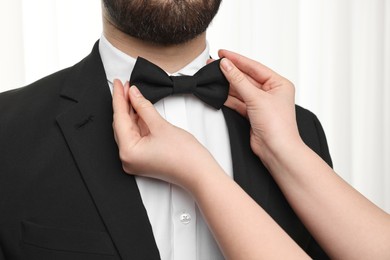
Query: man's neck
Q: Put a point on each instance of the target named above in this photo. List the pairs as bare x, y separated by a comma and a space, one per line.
169, 58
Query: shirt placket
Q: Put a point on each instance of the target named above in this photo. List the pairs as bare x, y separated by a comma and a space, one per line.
183, 210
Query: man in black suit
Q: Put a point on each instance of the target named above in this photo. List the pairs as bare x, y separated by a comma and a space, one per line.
63, 192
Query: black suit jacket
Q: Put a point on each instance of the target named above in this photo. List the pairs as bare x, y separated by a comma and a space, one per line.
63, 193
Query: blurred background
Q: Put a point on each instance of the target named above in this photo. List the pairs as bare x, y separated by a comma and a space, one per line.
336, 52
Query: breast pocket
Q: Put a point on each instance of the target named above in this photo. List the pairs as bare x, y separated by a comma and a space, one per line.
41, 242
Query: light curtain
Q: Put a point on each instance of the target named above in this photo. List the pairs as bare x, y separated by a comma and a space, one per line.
337, 53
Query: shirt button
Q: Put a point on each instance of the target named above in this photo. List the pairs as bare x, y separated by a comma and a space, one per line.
185, 218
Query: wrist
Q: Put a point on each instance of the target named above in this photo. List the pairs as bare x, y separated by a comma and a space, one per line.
205, 177
277, 156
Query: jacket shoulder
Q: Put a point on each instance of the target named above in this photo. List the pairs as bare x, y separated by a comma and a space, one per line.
48, 86
32, 92
312, 133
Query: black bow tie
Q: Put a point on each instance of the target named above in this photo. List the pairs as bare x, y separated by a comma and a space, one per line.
208, 84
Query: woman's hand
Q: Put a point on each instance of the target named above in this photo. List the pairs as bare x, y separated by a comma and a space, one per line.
150, 146
265, 98
329, 207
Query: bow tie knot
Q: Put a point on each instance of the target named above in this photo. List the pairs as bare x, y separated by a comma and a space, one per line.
208, 84
183, 84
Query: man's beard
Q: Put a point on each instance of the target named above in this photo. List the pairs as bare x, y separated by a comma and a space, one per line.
163, 22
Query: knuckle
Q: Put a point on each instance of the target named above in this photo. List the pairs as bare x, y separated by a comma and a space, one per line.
123, 156
289, 84
126, 169
144, 104
126, 156
130, 162
237, 76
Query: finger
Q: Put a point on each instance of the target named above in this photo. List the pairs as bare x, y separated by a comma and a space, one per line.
126, 89
143, 127
210, 61
237, 105
132, 112
233, 92
254, 82
120, 105
125, 127
254, 69
145, 109
238, 81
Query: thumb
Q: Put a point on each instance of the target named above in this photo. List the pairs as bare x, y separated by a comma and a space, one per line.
144, 109
238, 81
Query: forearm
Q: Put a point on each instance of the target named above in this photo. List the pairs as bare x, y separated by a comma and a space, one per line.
344, 222
241, 227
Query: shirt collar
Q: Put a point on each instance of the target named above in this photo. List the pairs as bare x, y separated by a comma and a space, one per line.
119, 65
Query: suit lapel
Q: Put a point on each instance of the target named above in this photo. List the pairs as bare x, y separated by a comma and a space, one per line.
254, 178
87, 128
248, 170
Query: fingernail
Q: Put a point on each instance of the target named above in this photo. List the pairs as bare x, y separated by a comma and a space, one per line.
135, 91
127, 84
226, 64
116, 81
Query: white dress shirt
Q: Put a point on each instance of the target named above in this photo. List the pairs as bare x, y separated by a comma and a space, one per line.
178, 226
